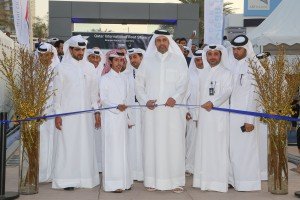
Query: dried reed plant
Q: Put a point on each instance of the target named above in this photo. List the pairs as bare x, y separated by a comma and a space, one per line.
28, 81
277, 83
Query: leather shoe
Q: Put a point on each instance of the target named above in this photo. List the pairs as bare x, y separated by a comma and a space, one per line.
69, 188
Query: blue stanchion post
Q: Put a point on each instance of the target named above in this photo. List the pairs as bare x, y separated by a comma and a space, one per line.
4, 195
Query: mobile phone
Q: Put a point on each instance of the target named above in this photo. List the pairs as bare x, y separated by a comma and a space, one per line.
243, 128
195, 32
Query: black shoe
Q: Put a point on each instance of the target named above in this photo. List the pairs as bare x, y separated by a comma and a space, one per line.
297, 194
69, 188
230, 186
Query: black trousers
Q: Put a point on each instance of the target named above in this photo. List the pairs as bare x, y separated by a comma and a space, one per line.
298, 138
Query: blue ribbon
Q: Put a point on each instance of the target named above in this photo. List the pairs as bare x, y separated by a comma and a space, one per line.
249, 113
242, 112
257, 114
55, 115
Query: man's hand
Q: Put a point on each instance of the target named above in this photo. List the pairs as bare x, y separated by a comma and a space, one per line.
188, 116
208, 106
151, 104
58, 123
248, 127
170, 102
97, 120
122, 107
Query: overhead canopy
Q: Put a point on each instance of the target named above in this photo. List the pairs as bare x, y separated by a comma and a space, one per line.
282, 26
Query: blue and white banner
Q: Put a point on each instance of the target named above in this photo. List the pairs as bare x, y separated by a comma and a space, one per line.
213, 21
21, 12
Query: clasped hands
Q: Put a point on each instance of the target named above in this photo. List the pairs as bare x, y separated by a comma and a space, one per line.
208, 106
151, 104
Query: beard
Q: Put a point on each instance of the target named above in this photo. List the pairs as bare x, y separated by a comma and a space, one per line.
78, 57
214, 62
162, 49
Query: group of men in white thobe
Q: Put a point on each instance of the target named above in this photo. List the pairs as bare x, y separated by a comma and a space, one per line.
142, 129
80, 89
227, 145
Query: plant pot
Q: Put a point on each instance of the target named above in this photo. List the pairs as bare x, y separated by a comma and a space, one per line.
277, 157
29, 158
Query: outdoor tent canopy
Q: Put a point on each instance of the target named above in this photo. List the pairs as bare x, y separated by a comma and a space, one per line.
281, 27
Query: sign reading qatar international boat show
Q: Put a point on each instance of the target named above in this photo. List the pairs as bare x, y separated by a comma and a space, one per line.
107, 40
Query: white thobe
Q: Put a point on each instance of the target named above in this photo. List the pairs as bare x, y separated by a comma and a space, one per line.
116, 168
212, 140
161, 76
47, 133
135, 133
262, 130
99, 69
244, 147
76, 90
195, 76
98, 135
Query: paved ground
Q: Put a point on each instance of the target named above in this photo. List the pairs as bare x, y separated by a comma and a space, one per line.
139, 193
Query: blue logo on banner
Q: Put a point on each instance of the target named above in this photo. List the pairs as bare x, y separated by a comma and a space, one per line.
261, 8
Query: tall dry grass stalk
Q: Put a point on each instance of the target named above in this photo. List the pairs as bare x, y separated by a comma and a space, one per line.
27, 80
277, 82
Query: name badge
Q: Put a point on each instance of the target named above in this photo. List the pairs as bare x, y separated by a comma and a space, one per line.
212, 88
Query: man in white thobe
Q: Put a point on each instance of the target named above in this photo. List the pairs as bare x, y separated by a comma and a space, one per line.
196, 70
135, 132
162, 79
114, 92
212, 140
244, 141
47, 55
97, 58
76, 90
